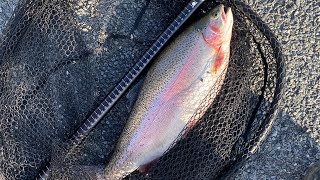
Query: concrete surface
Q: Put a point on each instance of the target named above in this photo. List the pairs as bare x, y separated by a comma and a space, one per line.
294, 142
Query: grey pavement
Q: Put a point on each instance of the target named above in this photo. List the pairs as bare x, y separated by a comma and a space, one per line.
294, 142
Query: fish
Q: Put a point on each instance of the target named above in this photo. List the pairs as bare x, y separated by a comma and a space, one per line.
177, 90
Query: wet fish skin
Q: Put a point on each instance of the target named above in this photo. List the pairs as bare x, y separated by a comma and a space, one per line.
178, 85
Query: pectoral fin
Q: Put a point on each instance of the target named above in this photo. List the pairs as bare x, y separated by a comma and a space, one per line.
133, 94
218, 62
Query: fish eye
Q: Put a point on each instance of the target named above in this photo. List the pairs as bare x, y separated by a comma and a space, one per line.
215, 15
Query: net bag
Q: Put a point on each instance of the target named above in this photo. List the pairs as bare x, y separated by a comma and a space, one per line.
59, 60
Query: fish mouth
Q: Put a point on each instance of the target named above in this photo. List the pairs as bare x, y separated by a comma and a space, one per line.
228, 10
224, 11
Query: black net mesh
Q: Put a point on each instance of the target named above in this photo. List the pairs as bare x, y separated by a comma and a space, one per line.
59, 59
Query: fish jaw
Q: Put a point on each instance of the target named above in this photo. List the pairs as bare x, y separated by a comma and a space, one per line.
219, 29
218, 35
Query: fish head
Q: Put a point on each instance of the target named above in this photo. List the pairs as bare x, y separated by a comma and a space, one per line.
218, 26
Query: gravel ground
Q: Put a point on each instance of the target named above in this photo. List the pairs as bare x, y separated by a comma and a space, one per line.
294, 142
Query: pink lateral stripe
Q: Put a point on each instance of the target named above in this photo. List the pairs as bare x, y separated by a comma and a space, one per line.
179, 81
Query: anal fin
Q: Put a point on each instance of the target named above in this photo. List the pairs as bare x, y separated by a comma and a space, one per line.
146, 167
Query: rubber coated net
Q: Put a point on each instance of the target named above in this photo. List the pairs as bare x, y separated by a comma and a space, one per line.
60, 58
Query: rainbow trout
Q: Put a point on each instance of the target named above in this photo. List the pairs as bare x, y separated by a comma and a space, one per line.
178, 89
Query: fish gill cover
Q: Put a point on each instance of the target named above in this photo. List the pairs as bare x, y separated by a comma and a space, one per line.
60, 59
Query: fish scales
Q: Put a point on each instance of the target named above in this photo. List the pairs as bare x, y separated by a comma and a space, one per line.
176, 87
